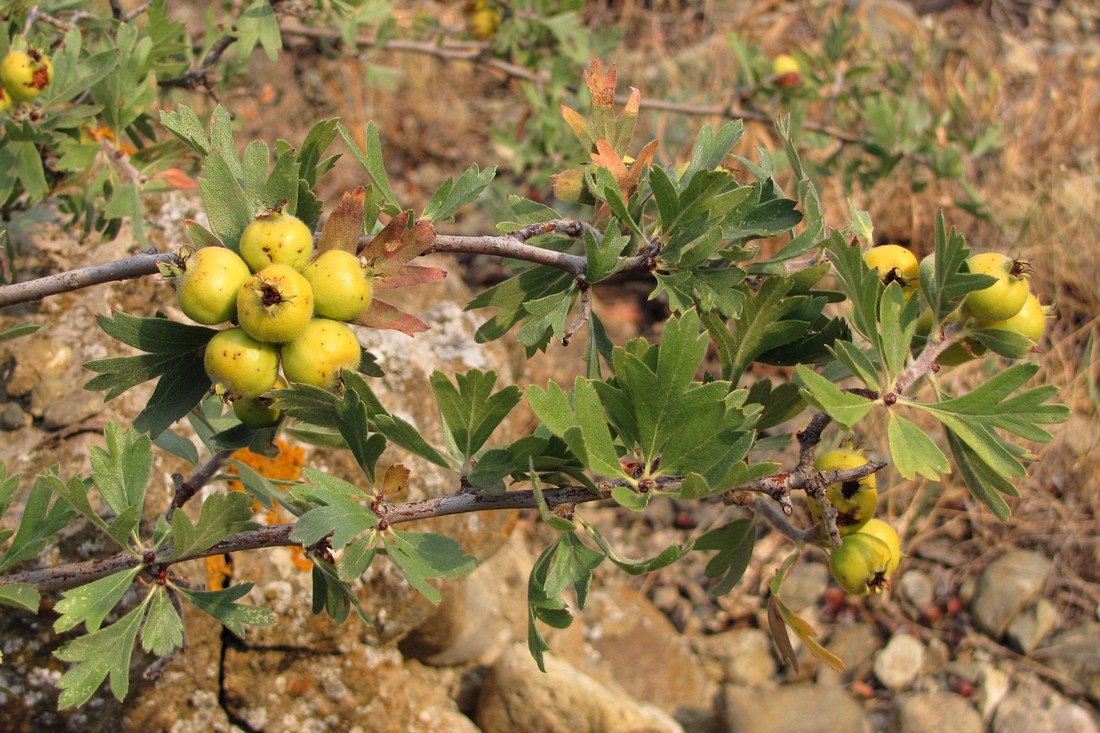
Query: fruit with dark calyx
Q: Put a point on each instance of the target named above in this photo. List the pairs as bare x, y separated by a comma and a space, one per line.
26, 74
1005, 297
275, 304
860, 564
855, 501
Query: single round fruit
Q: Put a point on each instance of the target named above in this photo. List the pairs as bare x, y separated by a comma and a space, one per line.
1030, 322
855, 501
239, 365
342, 289
859, 564
883, 531
323, 349
894, 263
207, 288
483, 23
1004, 298
276, 239
786, 70
25, 74
275, 304
257, 412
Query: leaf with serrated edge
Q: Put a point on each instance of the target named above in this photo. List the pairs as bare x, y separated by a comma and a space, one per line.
381, 314
97, 655
163, 629
222, 605
345, 224
913, 451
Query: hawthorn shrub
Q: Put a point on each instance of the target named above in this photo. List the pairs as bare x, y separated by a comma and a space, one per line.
646, 422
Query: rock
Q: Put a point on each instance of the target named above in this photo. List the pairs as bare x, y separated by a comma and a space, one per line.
918, 588
288, 690
1006, 587
899, 663
479, 618
1032, 625
71, 407
1036, 708
743, 656
934, 712
36, 358
1076, 654
516, 696
12, 417
636, 647
855, 645
799, 708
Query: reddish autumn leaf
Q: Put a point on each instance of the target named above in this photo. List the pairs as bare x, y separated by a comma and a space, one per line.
395, 481
343, 227
601, 84
398, 243
381, 314
177, 179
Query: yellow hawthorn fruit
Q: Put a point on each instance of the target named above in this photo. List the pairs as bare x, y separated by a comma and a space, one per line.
883, 531
320, 352
1004, 298
239, 365
207, 288
25, 74
855, 501
894, 263
1030, 322
786, 70
342, 289
275, 304
257, 412
860, 564
276, 239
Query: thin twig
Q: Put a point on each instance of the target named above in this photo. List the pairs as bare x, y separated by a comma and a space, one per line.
139, 265
460, 502
925, 361
187, 489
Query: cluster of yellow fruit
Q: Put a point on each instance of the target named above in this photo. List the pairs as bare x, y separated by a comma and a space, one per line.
25, 75
288, 305
870, 551
1007, 305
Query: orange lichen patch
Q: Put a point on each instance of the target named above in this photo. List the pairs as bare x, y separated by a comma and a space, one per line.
218, 572
106, 133
286, 466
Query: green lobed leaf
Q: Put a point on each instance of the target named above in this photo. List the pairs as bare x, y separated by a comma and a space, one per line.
225, 201
20, 595
121, 472
453, 195
222, 605
370, 157
222, 515
760, 327
511, 296
942, 278
913, 452
984, 482
470, 409
23, 329
846, 408
163, 629
258, 25
97, 655
422, 556
664, 558
38, 525
734, 543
